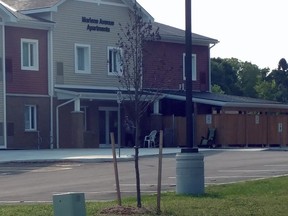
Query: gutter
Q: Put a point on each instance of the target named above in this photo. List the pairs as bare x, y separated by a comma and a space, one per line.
209, 69
51, 85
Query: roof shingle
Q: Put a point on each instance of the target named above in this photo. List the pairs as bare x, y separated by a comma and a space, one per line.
22, 5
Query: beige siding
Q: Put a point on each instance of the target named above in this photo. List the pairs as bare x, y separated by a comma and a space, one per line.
45, 16
69, 26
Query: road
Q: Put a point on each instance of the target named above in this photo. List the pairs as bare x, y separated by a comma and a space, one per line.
30, 182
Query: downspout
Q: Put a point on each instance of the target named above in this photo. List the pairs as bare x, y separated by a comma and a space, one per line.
57, 117
4, 87
210, 87
51, 86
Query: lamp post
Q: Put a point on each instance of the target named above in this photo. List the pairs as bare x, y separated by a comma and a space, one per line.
119, 101
189, 83
189, 163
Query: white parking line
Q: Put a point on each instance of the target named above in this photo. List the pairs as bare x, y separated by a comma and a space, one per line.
224, 177
276, 165
132, 185
52, 169
16, 202
233, 171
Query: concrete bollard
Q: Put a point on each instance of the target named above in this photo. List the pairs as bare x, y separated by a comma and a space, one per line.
190, 173
69, 204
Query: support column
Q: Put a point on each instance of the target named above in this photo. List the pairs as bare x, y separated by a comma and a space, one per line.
156, 117
156, 107
77, 136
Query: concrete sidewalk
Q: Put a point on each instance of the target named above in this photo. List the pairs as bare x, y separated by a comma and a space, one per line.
98, 154
80, 155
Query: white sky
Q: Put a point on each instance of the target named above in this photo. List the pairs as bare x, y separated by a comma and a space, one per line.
250, 30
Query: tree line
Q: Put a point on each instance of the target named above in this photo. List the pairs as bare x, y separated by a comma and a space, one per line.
235, 77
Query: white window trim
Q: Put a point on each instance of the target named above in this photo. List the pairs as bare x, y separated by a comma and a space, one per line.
35, 43
194, 67
113, 73
87, 69
30, 119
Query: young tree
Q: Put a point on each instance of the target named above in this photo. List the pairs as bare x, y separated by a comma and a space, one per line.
132, 39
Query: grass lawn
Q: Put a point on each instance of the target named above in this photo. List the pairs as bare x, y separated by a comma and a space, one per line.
263, 197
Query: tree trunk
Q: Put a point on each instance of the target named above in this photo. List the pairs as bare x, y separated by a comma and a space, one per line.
138, 190
139, 205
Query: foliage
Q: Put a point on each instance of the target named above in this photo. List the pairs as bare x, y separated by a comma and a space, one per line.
283, 64
217, 89
280, 78
236, 77
224, 75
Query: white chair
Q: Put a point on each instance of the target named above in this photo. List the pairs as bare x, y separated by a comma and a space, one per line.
150, 139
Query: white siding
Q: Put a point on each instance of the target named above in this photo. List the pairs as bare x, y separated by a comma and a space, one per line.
69, 29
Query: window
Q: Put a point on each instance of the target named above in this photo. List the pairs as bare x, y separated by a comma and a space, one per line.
194, 71
114, 61
30, 117
29, 54
82, 58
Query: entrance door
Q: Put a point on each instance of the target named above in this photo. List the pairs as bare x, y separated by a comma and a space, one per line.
108, 122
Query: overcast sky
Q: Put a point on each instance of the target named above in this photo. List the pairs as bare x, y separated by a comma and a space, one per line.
250, 30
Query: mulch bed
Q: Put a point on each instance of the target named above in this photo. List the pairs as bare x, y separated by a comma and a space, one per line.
125, 210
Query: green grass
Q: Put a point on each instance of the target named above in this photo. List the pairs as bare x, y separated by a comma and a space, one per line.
263, 198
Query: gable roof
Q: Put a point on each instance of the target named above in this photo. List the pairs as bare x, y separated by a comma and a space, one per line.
168, 33
32, 6
13, 17
26, 5
172, 34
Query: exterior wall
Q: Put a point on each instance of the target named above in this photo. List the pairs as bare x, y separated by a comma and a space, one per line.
163, 66
20, 81
70, 29
1, 89
29, 83
17, 137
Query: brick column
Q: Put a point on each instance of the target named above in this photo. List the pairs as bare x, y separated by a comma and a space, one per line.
77, 136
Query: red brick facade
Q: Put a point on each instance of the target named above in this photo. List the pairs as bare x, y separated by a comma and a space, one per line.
24, 81
30, 85
163, 66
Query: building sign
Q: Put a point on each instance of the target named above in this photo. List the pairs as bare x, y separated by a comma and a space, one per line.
97, 24
208, 119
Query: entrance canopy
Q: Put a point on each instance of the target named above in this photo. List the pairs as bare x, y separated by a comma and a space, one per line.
66, 93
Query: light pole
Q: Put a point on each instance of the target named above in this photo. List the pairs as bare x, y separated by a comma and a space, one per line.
119, 101
189, 83
189, 163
